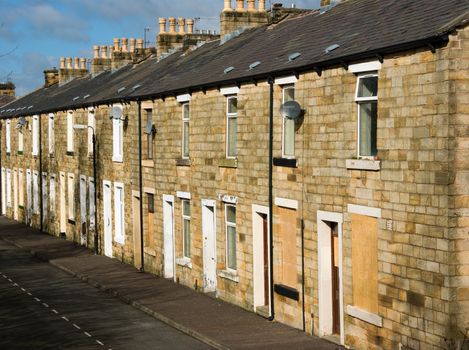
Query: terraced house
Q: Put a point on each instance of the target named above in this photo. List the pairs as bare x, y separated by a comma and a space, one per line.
309, 165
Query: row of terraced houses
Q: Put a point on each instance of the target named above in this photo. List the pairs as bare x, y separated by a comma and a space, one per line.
309, 165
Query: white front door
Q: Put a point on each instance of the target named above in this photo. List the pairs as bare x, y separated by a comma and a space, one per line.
63, 214
29, 202
4, 197
83, 223
261, 257
209, 245
45, 202
107, 204
168, 223
15, 194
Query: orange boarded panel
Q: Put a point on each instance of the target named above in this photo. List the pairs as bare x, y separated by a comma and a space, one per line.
365, 262
286, 233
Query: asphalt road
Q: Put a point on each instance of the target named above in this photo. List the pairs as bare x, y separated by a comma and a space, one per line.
42, 307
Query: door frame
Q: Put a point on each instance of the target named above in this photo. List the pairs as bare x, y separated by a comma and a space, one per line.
258, 256
325, 273
206, 203
169, 200
83, 210
15, 194
136, 229
107, 236
29, 197
63, 202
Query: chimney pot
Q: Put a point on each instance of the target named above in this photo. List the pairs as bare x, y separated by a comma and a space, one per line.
252, 5
83, 63
190, 26
76, 63
68, 61
261, 5
111, 51
132, 45
116, 44
162, 22
62, 62
240, 5
182, 25
96, 51
139, 44
227, 7
172, 25
103, 51
124, 44
325, 3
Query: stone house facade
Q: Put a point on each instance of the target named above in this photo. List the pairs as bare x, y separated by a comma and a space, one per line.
355, 226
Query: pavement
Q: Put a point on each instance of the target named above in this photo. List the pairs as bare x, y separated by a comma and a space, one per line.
207, 319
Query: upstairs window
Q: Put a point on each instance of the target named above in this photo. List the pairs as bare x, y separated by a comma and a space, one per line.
70, 139
288, 137
367, 100
118, 137
8, 136
51, 134
149, 132
185, 129
230, 221
231, 125
35, 136
91, 129
186, 228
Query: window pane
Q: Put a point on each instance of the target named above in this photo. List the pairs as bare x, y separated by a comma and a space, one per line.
185, 146
368, 120
186, 111
231, 247
231, 214
151, 203
289, 137
187, 238
150, 146
186, 208
232, 105
368, 87
288, 94
231, 134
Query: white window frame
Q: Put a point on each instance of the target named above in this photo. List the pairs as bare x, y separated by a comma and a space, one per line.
45, 205
91, 127
184, 122
20, 140
358, 101
230, 116
52, 194
118, 138
35, 192
289, 156
230, 224
8, 136
21, 188
92, 207
119, 213
51, 133
70, 135
35, 136
8, 186
71, 196
183, 219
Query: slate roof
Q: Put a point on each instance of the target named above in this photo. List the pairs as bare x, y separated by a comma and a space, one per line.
5, 99
361, 29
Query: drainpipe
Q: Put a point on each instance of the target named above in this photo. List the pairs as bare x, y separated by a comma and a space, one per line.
1, 175
303, 270
140, 182
40, 174
270, 80
96, 233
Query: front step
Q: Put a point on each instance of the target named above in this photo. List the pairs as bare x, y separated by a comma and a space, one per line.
263, 311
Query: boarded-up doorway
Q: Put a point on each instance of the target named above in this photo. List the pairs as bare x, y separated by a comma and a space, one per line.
136, 230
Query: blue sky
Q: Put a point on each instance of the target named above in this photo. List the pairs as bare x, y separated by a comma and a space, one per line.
34, 34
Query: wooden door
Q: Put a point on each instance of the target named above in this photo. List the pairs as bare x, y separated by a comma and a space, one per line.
209, 246
107, 208
136, 232
265, 232
335, 278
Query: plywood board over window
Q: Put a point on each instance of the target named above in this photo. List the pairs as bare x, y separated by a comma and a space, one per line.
286, 247
365, 262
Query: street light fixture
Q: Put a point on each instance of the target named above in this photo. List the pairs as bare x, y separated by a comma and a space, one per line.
84, 127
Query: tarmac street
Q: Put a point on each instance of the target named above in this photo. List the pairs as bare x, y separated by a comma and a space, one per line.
42, 307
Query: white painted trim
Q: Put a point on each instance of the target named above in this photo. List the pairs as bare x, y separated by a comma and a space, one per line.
183, 98
183, 195
363, 210
260, 209
168, 198
363, 164
229, 275
147, 104
365, 315
136, 194
324, 273
286, 80
365, 67
232, 90
286, 203
150, 190
209, 202
229, 199
185, 262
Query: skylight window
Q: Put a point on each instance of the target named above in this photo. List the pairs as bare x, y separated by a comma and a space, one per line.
229, 69
293, 56
254, 65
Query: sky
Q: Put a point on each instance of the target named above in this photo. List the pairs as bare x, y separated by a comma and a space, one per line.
34, 34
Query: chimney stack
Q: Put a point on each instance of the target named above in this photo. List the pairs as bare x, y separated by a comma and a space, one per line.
162, 22
172, 25
51, 77
70, 68
231, 21
325, 3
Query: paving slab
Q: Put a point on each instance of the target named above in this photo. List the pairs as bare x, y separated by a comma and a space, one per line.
213, 321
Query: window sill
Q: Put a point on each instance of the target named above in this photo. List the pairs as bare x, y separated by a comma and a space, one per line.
51, 155
184, 262
71, 222
363, 164
7, 153
70, 153
148, 163
285, 162
149, 251
287, 292
20, 153
365, 316
228, 163
229, 275
183, 162
119, 240
20, 207
118, 159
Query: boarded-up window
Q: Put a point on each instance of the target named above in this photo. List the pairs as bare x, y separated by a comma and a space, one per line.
286, 243
365, 262
150, 230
